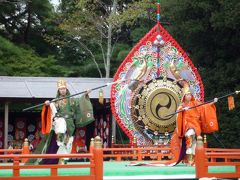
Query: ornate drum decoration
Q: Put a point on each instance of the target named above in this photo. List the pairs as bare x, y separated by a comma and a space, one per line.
141, 112
153, 102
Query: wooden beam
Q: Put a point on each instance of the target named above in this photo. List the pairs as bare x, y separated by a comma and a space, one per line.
6, 115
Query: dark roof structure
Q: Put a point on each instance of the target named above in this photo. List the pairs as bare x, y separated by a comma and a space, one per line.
46, 87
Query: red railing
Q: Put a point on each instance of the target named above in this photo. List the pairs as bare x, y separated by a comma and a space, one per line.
207, 157
95, 164
11, 151
140, 153
24, 150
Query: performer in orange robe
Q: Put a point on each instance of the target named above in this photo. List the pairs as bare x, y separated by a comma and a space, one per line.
190, 122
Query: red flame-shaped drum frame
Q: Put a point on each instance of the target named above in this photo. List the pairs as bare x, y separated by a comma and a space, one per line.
161, 57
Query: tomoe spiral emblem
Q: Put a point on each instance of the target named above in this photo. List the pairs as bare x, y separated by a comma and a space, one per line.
153, 102
166, 105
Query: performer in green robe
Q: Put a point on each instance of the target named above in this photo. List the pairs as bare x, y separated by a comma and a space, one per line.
59, 120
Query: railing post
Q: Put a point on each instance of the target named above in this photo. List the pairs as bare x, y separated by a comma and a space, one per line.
54, 171
112, 146
16, 170
200, 159
25, 149
98, 158
91, 148
238, 169
205, 144
119, 158
91, 145
113, 142
134, 145
139, 154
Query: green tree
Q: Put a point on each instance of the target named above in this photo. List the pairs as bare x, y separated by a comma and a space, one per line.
96, 27
17, 61
26, 22
209, 32
88, 26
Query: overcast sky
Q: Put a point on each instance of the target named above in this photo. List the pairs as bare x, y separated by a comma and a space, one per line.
55, 2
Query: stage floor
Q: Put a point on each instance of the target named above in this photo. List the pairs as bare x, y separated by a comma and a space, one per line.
121, 170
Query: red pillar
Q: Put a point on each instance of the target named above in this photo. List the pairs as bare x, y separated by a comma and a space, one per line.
25, 149
91, 148
98, 158
201, 169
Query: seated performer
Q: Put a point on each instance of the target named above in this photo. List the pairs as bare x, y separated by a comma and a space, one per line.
18, 141
35, 141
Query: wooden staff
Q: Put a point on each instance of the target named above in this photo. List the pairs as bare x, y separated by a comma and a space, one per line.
58, 99
221, 97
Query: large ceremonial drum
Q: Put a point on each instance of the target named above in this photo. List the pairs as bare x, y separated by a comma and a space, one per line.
153, 102
148, 91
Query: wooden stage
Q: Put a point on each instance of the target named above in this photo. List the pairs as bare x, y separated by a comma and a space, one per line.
121, 170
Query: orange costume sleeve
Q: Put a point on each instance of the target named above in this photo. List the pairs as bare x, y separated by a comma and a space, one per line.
46, 119
209, 118
179, 124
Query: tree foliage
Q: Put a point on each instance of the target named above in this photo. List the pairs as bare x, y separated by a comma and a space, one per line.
17, 61
26, 22
87, 25
209, 31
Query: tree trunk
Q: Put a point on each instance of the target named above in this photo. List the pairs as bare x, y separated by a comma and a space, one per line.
93, 57
109, 42
26, 32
